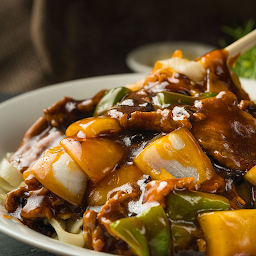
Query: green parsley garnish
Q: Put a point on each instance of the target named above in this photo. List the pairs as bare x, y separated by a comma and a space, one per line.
246, 63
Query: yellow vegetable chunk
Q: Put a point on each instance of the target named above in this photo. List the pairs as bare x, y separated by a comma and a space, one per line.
26, 173
96, 156
60, 174
251, 175
177, 154
123, 177
92, 126
229, 233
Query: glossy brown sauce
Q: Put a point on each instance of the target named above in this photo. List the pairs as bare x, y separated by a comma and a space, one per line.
218, 73
226, 133
33, 203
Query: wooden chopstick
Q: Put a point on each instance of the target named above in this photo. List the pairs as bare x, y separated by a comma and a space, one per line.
242, 45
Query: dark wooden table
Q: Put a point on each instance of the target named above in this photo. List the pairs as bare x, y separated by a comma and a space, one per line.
12, 247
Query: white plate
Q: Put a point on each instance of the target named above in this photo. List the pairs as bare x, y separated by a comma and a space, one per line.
143, 58
19, 113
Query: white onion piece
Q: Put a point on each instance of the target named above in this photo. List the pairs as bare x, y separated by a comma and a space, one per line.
3, 196
9, 173
62, 175
192, 69
66, 171
153, 158
176, 155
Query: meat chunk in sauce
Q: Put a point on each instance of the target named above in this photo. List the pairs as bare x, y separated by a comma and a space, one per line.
37, 139
48, 130
226, 132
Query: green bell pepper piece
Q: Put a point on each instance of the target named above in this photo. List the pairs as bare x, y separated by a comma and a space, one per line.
205, 95
147, 234
170, 99
186, 205
132, 231
158, 231
110, 99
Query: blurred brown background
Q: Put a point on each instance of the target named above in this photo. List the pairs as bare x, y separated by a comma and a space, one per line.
48, 41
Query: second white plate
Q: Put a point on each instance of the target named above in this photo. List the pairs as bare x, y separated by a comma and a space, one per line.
142, 59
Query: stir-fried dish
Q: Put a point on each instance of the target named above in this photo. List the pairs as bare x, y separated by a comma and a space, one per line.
163, 166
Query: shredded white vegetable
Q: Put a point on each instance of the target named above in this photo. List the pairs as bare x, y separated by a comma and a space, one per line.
66, 237
74, 227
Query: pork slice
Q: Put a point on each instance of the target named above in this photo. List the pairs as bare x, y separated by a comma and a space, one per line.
226, 132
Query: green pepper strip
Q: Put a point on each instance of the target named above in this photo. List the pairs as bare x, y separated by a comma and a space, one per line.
186, 205
132, 231
170, 99
157, 230
110, 99
147, 234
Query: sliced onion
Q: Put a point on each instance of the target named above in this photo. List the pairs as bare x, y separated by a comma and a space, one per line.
192, 69
59, 173
177, 155
9, 173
